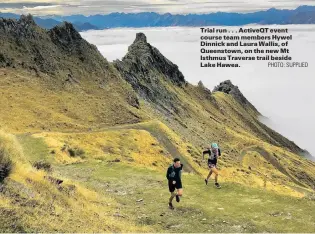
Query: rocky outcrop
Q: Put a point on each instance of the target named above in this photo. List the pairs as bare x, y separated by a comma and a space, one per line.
22, 28
258, 127
62, 54
203, 89
228, 88
64, 35
142, 57
54, 52
151, 74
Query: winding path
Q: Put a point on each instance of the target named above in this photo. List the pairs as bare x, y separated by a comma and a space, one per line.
155, 132
272, 161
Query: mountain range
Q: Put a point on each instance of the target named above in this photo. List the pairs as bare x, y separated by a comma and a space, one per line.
85, 144
300, 15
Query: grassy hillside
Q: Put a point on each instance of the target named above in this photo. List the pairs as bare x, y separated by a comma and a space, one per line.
85, 144
117, 193
118, 175
56, 80
35, 104
227, 122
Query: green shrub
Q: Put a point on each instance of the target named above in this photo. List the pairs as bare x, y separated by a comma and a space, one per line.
76, 152
42, 165
73, 151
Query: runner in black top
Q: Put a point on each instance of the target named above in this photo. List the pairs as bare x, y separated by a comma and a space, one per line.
214, 152
173, 176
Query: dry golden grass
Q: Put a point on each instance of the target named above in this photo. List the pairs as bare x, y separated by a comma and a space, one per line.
41, 205
32, 104
140, 149
132, 146
85, 120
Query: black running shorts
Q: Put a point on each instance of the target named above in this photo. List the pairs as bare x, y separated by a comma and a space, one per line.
212, 163
172, 186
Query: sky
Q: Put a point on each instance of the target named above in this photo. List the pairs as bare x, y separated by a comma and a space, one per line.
284, 95
92, 7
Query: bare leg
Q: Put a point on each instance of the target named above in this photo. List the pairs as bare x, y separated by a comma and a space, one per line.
210, 172
180, 192
173, 194
216, 172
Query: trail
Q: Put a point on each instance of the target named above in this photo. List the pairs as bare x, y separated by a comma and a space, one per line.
155, 132
273, 162
172, 149
163, 139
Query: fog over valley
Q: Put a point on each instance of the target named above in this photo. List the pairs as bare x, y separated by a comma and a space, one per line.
284, 95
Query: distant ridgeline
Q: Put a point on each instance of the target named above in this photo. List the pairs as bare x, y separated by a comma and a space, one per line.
70, 120
300, 15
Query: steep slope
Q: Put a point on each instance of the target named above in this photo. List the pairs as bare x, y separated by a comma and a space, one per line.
196, 113
146, 69
79, 87
119, 186
93, 139
54, 52
160, 82
259, 128
82, 91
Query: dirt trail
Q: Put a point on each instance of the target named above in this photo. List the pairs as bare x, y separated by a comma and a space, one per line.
155, 132
163, 139
272, 160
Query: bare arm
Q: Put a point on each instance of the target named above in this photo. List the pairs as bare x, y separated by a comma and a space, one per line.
205, 152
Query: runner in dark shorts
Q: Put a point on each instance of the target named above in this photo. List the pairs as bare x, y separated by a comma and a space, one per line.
173, 176
214, 152
172, 187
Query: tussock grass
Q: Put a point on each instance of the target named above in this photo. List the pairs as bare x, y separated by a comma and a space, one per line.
32, 203
10, 153
106, 170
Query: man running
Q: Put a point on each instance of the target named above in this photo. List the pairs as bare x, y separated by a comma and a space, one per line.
173, 175
214, 152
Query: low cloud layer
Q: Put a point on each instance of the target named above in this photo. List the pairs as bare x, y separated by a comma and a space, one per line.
90, 7
284, 95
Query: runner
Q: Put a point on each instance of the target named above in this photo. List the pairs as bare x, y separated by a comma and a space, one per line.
214, 152
173, 175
